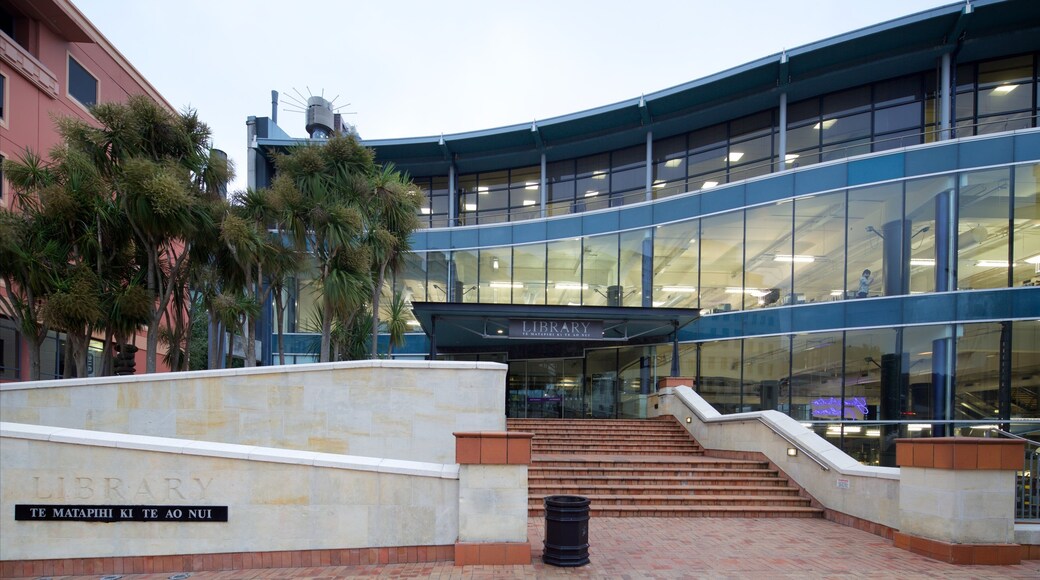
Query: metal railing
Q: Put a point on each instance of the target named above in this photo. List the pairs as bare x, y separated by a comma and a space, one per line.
1027, 482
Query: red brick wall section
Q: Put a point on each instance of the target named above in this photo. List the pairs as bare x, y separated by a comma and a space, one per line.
227, 561
493, 448
961, 453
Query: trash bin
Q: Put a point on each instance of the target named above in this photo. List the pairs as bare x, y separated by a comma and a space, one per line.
566, 530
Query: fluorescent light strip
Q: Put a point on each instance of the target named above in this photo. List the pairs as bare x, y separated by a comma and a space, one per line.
825, 124
506, 284
570, 286
683, 289
993, 264
709, 184
803, 259
922, 262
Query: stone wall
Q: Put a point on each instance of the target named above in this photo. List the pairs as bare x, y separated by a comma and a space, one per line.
388, 409
277, 499
845, 486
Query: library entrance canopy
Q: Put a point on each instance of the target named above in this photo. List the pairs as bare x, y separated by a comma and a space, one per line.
515, 328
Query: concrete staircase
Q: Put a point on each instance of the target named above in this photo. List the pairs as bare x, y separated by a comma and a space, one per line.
649, 468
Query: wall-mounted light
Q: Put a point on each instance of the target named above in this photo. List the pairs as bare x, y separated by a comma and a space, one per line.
791, 452
494, 263
689, 419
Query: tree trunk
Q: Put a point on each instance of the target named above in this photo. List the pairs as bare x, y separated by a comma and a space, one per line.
34, 358
214, 346
376, 294
279, 323
326, 327
79, 345
152, 345
69, 360
106, 354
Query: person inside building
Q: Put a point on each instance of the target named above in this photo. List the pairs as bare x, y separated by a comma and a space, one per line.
864, 284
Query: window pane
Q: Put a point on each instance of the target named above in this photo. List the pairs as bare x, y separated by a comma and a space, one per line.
816, 379
636, 248
1027, 225
901, 90
982, 257
978, 371
751, 151
1005, 98
561, 191
1009, 70
670, 148
751, 126
846, 101
803, 111
1025, 363
713, 136
875, 234
525, 176
768, 255
921, 206
496, 276
719, 380
676, 265
529, 270
593, 165
767, 366
722, 245
563, 264
560, 170
706, 162
82, 85
628, 158
464, 274
803, 138
628, 180
845, 128
897, 118
819, 233
600, 272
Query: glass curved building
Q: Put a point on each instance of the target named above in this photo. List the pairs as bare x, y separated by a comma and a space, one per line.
847, 232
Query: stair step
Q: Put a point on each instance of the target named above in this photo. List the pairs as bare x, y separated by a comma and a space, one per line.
718, 511
649, 468
636, 489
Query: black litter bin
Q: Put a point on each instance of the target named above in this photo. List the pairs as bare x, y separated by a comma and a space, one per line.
566, 530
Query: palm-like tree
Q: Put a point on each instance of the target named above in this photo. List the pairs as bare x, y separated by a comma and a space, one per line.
319, 190
396, 321
393, 213
161, 169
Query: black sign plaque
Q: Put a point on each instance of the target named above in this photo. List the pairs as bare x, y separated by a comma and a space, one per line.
120, 513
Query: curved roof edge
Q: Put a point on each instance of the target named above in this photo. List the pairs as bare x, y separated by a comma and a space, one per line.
776, 58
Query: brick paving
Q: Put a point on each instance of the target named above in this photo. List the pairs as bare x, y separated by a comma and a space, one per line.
634, 548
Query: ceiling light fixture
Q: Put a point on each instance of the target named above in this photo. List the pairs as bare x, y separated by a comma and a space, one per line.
494, 263
471, 207
570, 286
993, 264
825, 124
482, 189
735, 156
591, 193
1004, 89
922, 262
424, 210
709, 184
673, 162
506, 284
800, 258
531, 186
683, 289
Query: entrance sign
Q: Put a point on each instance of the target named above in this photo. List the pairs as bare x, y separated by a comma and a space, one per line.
556, 328
121, 513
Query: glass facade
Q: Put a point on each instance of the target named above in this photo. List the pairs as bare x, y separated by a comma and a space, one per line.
854, 267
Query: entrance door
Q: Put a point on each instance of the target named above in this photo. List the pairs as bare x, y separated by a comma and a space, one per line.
545, 388
601, 368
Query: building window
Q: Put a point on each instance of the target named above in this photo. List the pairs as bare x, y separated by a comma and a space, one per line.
3, 100
82, 85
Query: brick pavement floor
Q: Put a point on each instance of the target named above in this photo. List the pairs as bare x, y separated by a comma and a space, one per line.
634, 548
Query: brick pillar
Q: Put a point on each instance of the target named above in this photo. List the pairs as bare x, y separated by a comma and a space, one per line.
957, 498
665, 382
493, 498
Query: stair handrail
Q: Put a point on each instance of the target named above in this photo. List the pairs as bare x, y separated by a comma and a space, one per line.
761, 419
1019, 437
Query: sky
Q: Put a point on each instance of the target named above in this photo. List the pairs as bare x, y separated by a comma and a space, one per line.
411, 68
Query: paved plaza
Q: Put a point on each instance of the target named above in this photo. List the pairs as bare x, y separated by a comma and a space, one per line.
632, 548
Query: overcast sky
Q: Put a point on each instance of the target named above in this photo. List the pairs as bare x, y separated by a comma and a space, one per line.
415, 68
